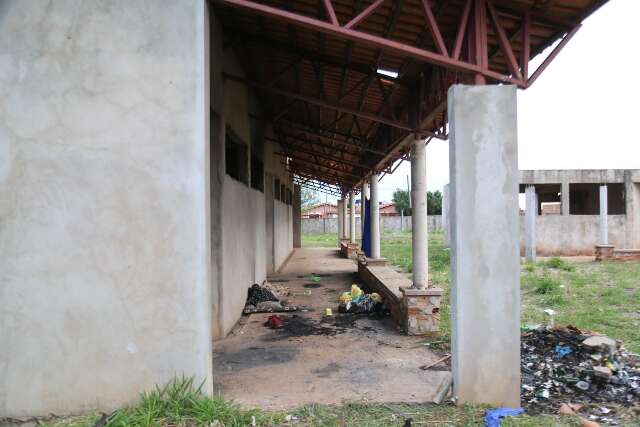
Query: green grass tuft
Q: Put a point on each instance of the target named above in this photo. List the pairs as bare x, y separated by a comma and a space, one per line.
559, 264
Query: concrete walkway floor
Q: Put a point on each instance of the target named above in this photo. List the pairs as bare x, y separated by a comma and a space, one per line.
322, 360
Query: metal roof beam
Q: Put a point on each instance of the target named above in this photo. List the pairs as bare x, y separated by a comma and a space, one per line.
324, 104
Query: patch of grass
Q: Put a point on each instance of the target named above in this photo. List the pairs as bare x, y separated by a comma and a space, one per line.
319, 241
180, 402
559, 264
546, 284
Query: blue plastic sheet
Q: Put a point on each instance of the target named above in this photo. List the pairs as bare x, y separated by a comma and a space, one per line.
562, 350
366, 237
493, 416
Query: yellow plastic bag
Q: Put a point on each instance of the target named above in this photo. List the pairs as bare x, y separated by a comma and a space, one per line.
345, 298
376, 297
356, 292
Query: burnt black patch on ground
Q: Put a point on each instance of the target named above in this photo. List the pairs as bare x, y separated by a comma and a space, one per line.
311, 285
251, 357
301, 326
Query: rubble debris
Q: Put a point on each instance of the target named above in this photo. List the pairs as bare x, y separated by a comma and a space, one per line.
431, 365
260, 299
280, 291
258, 294
565, 364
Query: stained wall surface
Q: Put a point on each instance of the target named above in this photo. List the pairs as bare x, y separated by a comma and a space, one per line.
104, 242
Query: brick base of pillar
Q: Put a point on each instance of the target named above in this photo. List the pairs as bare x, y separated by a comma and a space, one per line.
604, 252
421, 310
348, 249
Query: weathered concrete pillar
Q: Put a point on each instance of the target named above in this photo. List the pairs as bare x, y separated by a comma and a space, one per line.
445, 216
604, 229
340, 204
375, 217
297, 217
564, 198
352, 216
363, 198
485, 264
530, 213
345, 217
419, 235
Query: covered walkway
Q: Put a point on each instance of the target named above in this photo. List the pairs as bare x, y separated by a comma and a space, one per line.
323, 360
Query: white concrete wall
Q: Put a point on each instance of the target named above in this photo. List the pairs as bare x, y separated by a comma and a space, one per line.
104, 250
569, 235
247, 241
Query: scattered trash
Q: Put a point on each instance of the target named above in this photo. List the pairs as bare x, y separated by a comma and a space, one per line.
565, 364
274, 322
253, 420
258, 294
328, 312
358, 302
552, 316
493, 416
292, 418
562, 350
572, 409
261, 299
431, 365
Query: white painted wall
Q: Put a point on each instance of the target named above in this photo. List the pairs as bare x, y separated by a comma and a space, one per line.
104, 249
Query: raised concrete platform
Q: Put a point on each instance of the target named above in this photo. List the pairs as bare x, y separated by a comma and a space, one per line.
417, 311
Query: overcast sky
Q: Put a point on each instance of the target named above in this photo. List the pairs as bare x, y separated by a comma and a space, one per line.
582, 113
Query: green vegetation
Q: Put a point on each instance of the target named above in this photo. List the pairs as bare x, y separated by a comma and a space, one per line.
319, 241
602, 296
180, 403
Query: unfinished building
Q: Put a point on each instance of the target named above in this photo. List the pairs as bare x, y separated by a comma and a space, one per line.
568, 210
149, 153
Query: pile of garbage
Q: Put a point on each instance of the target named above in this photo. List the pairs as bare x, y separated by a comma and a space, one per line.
359, 302
260, 299
565, 365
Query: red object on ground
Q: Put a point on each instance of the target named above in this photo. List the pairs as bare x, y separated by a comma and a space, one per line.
274, 322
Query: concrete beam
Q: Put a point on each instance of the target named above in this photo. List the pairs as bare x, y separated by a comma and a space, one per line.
445, 216
340, 204
530, 214
485, 264
375, 217
419, 235
297, 217
604, 226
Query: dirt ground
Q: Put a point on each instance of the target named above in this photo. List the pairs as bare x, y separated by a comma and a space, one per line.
317, 359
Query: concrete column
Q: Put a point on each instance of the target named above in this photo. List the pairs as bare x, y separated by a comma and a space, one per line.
363, 197
419, 235
604, 231
564, 198
485, 262
345, 218
297, 217
352, 217
530, 213
375, 217
445, 216
340, 219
